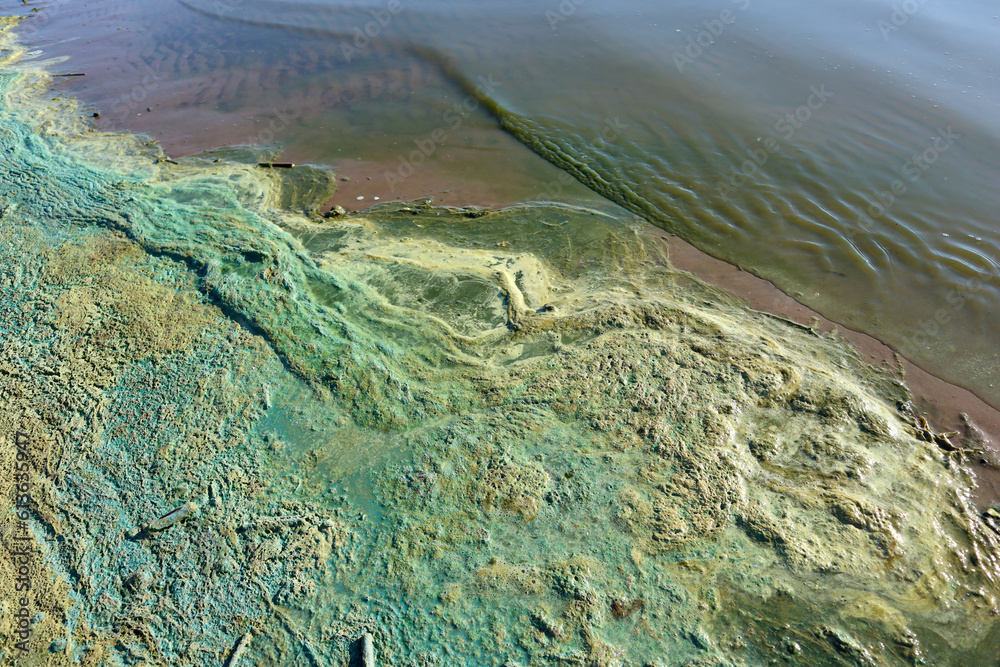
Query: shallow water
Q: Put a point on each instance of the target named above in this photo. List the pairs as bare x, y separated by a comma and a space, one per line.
873, 202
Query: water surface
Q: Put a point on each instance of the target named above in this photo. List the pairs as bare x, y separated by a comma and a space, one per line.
846, 150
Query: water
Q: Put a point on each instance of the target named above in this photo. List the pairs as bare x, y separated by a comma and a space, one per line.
845, 151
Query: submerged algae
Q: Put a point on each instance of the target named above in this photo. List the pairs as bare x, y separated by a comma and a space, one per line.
511, 438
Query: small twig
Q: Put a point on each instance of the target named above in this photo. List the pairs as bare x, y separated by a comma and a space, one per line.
172, 517
811, 327
165, 521
238, 650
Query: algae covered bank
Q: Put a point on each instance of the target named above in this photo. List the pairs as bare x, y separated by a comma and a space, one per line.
235, 432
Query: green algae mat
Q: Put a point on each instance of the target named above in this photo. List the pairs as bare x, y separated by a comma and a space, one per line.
234, 432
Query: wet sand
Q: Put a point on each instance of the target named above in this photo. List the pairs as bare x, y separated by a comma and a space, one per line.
365, 185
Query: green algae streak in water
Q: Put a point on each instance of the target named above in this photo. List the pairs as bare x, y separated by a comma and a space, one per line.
515, 437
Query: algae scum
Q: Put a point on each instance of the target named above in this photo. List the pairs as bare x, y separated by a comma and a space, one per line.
488, 438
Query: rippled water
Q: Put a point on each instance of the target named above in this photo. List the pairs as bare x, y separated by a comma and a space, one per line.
844, 150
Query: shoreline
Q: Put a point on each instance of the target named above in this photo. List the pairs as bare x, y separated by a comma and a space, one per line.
940, 401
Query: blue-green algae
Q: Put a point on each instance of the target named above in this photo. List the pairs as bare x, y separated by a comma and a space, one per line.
512, 437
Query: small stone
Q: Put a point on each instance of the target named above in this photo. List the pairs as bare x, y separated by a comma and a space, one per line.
701, 639
368, 650
137, 582
793, 648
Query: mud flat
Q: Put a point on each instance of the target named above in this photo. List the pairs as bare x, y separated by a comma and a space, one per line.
251, 433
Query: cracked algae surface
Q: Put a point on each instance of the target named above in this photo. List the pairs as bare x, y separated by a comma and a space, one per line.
514, 437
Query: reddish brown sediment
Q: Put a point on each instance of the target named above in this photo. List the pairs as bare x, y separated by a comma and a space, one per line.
367, 180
